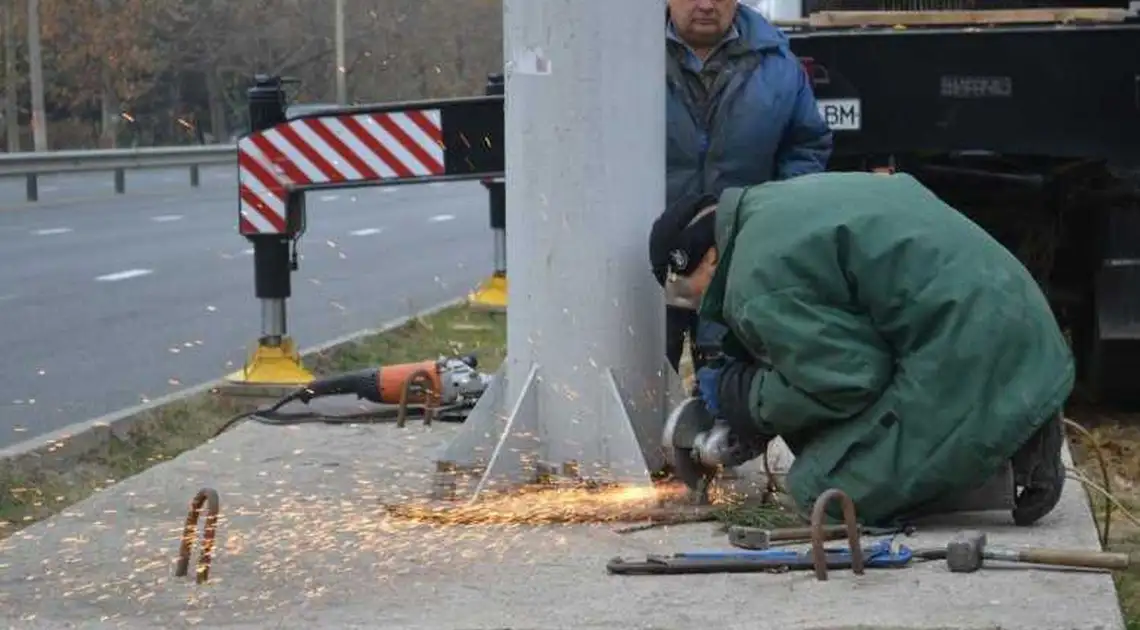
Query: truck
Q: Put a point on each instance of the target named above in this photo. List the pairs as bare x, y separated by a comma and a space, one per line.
1025, 116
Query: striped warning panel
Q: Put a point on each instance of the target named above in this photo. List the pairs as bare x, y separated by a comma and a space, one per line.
334, 149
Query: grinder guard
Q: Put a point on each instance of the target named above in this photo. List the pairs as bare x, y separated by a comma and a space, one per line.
685, 428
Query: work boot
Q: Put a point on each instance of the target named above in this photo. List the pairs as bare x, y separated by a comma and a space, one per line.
1039, 473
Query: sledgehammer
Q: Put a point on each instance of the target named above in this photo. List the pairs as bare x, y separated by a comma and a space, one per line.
967, 553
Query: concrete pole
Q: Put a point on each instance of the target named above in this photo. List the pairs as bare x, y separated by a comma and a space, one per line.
584, 388
341, 79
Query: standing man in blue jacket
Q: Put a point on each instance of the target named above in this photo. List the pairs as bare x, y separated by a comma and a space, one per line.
740, 111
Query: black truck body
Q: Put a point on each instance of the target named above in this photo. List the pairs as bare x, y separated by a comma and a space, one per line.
1033, 130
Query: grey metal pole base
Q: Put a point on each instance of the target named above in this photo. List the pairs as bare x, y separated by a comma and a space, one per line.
500, 447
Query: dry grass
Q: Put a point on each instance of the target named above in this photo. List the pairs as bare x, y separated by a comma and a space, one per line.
1117, 436
30, 494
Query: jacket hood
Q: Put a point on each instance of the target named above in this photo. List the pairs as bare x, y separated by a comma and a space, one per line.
727, 226
758, 31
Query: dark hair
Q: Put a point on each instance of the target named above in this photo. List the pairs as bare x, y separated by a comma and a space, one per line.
676, 242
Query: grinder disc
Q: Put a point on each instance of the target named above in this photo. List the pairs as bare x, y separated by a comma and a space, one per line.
684, 424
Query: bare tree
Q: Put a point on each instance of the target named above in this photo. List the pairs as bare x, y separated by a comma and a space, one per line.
36, 66
11, 80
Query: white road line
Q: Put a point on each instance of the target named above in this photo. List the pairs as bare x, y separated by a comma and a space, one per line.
388, 189
247, 252
329, 197
124, 275
440, 218
49, 188
166, 218
366, 232
435, 184
50, 231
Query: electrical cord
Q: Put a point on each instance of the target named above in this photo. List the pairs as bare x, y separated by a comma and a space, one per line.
273, 416
1104, 489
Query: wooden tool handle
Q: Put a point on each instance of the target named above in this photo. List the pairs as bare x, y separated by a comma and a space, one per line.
830, 532
1076, 558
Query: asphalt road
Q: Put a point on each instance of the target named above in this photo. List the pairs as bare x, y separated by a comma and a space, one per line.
109, 300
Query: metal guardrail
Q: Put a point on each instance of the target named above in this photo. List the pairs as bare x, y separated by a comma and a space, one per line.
32, 165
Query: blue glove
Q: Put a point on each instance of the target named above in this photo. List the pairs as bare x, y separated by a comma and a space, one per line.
708, 385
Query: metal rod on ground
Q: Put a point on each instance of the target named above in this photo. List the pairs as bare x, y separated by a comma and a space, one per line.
585, 379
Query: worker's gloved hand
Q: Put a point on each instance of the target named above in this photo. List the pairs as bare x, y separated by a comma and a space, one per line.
708, 380
734, 387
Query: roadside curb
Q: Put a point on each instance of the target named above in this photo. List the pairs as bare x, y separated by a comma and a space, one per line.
60, 448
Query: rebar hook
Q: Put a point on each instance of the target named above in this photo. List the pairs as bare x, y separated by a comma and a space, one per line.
818, 513
208, 497
425, 378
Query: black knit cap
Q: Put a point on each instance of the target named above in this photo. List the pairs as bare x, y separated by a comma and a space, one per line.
676, 243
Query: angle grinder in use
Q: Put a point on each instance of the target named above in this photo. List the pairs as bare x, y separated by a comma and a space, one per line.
698, 446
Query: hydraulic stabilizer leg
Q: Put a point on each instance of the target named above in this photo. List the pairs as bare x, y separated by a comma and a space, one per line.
275, 360
492, 292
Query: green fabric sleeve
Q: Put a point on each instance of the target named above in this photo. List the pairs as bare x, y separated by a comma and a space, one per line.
828, 364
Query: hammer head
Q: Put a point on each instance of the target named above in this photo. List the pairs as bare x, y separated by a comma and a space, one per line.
749, 537
964, 554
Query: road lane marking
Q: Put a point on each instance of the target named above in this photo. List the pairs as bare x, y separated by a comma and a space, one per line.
440, 218
166, 218
435, 184
124, 275
49, 188
329, 197
50, 231
366, 232
247, 252
389, 189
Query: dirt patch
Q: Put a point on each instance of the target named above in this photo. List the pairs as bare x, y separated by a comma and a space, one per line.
32, 490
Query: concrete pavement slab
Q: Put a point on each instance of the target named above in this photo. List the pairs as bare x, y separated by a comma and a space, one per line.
305, 543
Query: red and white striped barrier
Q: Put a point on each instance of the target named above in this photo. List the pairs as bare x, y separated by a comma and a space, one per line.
332, 149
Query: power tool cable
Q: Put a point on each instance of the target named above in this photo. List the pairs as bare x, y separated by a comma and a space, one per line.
273, 415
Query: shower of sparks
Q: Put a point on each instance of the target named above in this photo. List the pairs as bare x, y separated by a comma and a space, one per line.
279, 542
541, 505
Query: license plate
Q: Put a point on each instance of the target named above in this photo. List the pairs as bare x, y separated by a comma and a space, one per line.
841, 114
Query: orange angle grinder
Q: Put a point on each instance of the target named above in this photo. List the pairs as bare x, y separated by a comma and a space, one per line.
448, 381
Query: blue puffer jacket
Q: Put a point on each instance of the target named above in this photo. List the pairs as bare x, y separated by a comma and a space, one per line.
765, 124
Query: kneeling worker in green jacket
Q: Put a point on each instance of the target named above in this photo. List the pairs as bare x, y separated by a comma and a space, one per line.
903, 354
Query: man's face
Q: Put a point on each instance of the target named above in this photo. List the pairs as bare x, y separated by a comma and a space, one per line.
702, 23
